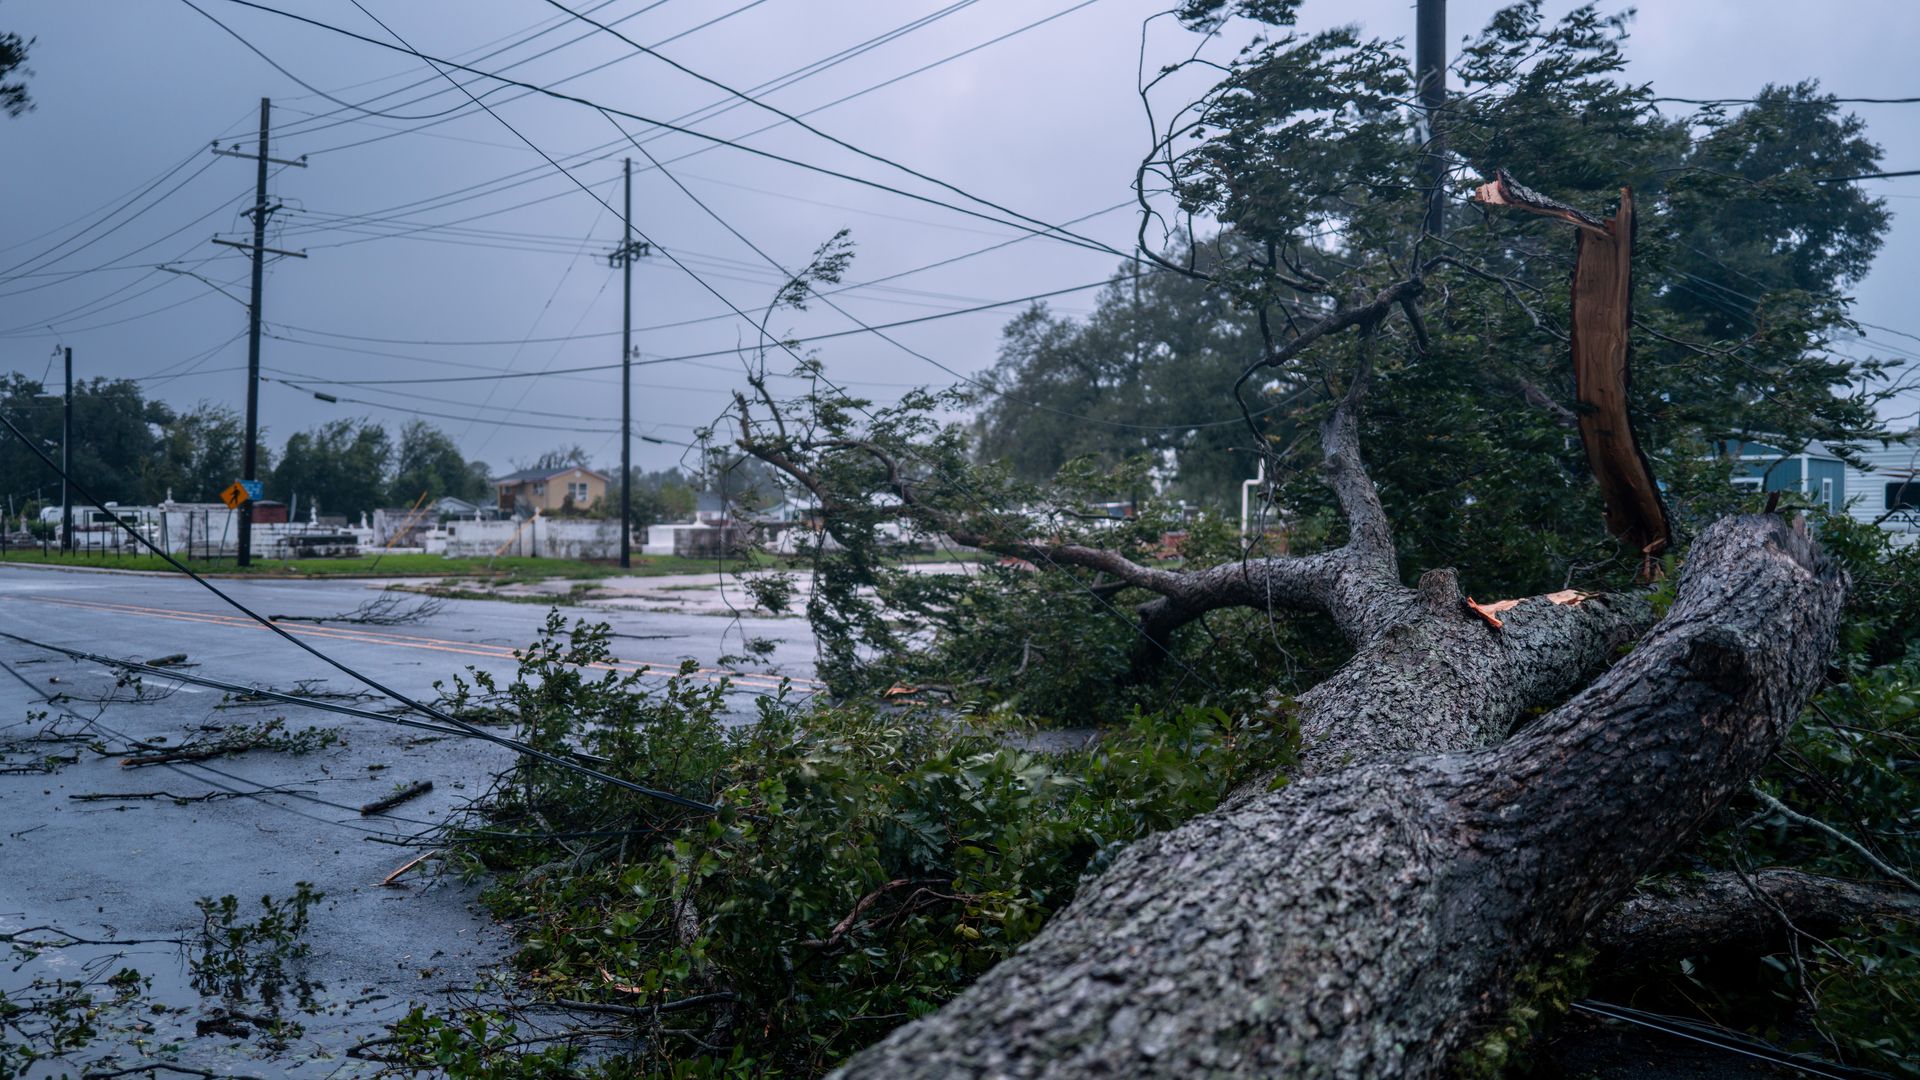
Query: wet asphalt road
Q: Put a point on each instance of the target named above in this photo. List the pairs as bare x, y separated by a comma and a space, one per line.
132, 867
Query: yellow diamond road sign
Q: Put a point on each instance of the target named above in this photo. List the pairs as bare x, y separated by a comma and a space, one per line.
235, 494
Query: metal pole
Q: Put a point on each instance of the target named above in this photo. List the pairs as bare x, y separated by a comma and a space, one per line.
626, 380
66, 462
251, 459
1430, 65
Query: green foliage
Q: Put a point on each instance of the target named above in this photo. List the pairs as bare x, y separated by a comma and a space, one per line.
13, 58
476, 1045
236, 958
1882, 624
658, 496
866, 864
51, 1017
1542, 993
1144, 376
200, 453
429, 462
114, 445
340, 467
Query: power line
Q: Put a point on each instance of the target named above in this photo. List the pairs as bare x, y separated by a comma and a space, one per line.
450, 416
104, 207
834, 139
8, 275
683, 356
871, 282
1823, 100
1041, 228
788, 348
37, 329
1733, 1042
257, 793
314, 124
1867, 176
445, 115
757, 250
711, 110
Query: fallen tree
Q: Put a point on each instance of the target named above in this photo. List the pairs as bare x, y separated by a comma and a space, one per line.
1474, 790
1376, 913
1359, 922
1368, 917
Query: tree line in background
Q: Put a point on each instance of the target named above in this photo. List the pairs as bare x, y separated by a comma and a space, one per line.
134, 450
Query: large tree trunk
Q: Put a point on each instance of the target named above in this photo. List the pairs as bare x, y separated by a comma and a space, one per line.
1357, 922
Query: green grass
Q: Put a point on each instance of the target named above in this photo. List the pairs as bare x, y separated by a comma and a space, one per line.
405, 564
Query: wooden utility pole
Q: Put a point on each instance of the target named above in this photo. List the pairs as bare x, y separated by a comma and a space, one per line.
259, 250
1430, 66
623, 257
66, 460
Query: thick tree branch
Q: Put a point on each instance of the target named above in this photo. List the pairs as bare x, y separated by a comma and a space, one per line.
1356, 584
1723, 911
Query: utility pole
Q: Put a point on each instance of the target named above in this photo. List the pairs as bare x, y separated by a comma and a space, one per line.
66, 461
623, 257
259, 250
1430, 67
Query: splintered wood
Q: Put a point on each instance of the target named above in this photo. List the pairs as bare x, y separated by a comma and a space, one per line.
1602, 313
1491, 612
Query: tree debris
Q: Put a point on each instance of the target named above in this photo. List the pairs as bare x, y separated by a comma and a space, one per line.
1602, 307
411, 791
387, 609
406, 866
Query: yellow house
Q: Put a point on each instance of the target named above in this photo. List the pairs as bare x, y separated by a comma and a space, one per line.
548, 490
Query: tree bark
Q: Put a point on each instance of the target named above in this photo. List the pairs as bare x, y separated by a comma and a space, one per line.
1360, 921
1751, 912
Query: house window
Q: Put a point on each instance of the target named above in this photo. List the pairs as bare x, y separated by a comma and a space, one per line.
1904, 495
539, 488
1826, 493
578, 492
1747, 483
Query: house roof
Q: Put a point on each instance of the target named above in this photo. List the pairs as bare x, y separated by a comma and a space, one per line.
545, 474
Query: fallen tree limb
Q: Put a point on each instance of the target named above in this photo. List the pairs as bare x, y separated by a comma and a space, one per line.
1849, 842
1688, 916
387, 609
185, 754
408, 865
411, 791
136, 796
1602, 312
1363, 921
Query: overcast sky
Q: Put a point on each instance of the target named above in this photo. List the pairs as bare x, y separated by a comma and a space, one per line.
1045, 122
